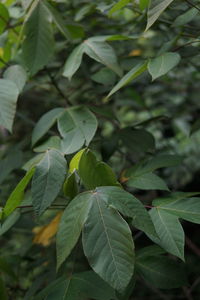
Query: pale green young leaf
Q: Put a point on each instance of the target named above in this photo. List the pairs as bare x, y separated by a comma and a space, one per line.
161, 272
17, 195
47, 180
129, 206
74, 163
155, 9
38, 46
170, 232
131, 75
103, 53
144, 4
8, 98
95, 173
74, 61
71, 225
120, 4
4, 17
162, 64
108, 244
45, 123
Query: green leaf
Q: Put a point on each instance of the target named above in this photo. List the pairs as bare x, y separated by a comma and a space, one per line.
95, 173
147, 181
70, 187
47, 180
74, 163
45, 123
38, 46
79, 286
144, 4
8, 99
77, 126
17, 195
131, 75
173, 197
129, 206
187, 209
157, 162
12, 161
103, 53
195, 127
163, 64
9, 222
3, 291
186, 17
153, 250
170, 232
54, 142
137, 140
120, 4
71, 225
58, 20
108, 244
17, 74
74, 61
161, 272
4, 17
156, 8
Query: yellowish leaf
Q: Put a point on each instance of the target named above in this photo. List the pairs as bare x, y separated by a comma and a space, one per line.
135, 52
44, 234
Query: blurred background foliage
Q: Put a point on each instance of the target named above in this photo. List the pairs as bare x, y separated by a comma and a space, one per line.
168, 108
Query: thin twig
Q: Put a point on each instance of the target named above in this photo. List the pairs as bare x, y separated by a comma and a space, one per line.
187, 44
55, 84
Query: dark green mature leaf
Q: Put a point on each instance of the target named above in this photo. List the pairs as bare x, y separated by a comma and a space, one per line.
11, 162
157, 162
45, 123
163, 64
153, 250
137, 140
9, 222
3, 291
108, 244
162, 201
77, 126
170, 232
17, 195
70, 187
74, 61
38, 45
161, 272
79, 286
17, 74
8, 98
71, 225
156, 8
147, 181
186, 17
103, 53
187, 209
58, 20
131, 75
95, 173
129, 206
47, 180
